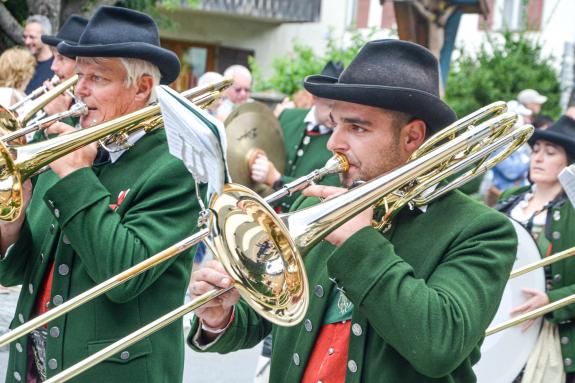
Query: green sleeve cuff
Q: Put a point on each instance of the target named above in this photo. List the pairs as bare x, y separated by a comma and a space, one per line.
73, 194
356, 257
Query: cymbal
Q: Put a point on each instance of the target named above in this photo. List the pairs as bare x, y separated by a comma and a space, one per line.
250, 128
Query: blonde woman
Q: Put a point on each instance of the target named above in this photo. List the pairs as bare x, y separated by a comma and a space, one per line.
16, 69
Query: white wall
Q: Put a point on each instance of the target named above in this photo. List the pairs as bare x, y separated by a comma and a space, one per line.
557, 28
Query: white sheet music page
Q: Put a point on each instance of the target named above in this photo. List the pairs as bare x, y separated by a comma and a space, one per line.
196, 138
567, 180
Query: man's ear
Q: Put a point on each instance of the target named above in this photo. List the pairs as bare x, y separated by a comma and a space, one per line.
145, 86
413, 135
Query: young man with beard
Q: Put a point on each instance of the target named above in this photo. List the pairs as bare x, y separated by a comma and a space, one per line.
408, 304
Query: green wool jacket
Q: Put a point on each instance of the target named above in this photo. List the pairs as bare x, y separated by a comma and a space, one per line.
560, 232
423, 293
303, 153
81, 224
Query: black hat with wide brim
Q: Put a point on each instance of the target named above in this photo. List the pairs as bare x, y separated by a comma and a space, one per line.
125, 33
561, 133
70, 32
390, 74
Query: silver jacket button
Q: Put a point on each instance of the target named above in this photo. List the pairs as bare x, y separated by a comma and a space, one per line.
296, 359
352, 366
63, 269
564, 340
125, 355
556, 235
568, 361
17, 376
54, 332
318, 291
53, 364
308, 326
57, 300
356, 329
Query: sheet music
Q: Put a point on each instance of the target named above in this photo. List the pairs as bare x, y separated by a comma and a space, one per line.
196, 138
567, 180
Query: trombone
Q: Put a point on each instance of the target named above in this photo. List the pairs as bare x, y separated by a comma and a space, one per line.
55, 80
336, 164
263, 252
20, 162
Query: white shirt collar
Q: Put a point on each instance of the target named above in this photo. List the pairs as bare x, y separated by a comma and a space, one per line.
311, 122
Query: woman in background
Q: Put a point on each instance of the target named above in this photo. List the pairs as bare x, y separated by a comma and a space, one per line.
546, 212
16, 69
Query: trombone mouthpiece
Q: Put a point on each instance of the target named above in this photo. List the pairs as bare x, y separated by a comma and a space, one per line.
336, 164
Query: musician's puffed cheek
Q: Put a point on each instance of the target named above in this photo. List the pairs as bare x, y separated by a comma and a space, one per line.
342, 233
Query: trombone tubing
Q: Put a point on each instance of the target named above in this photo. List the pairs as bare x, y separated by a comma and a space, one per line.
136, 336
544, 262
532, 314
338, 162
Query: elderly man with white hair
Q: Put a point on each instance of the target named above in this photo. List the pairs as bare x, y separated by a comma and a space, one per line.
237, 94
90, 218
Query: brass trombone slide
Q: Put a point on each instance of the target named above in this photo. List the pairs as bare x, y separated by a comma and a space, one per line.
542, 310
12, 120
55, 80
76, 110
336, 164
243, 230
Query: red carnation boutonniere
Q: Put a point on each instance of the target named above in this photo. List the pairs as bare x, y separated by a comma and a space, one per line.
121, 197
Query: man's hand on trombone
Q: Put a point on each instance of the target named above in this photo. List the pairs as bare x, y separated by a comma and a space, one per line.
215, 314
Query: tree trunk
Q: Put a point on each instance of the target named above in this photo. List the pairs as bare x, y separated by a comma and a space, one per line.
49, 8
10, 25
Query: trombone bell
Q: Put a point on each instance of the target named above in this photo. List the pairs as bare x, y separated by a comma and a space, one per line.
256, 250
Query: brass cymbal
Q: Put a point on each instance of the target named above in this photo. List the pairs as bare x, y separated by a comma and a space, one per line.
252, 127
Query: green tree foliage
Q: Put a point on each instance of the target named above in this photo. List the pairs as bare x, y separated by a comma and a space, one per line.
289, 70
503, 66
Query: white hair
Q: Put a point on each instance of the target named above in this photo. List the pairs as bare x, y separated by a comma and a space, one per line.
135, 68
235, 70
209, 78
43, 21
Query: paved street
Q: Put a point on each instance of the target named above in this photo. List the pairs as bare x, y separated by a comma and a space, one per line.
200, 368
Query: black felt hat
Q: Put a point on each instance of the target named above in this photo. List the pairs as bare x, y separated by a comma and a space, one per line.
69, 32
390, 74
561, 133
332, 69
122, 32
